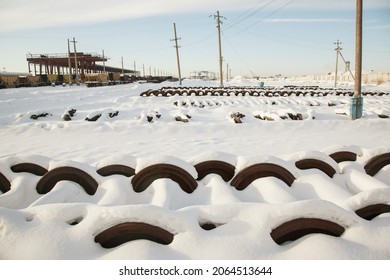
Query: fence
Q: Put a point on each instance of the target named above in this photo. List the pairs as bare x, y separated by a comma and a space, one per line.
368, 78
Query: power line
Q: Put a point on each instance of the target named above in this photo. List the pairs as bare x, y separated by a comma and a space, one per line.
265, 17
210, 36
236, 21
238, 55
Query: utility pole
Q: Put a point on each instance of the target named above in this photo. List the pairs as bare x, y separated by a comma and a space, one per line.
69, 65
177, 51
337, 49
143, 70
357, 100
227, 72
135, 69
104, 63
75, 61
218, 18
122, 64
347, 68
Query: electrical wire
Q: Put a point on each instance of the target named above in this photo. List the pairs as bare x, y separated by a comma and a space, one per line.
238, 54
262, 19
237, 20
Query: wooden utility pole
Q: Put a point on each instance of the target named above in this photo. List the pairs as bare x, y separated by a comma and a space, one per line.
337, 49
69, 65
218, 18
177, 51
75, 60
357, 100
358, 54
104, 63
135, 69
227, 72
122, 64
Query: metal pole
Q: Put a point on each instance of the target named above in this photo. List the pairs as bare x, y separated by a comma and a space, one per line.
177, 52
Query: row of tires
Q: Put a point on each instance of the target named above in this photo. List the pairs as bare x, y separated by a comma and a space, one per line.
287, 231
141, 180
250, 91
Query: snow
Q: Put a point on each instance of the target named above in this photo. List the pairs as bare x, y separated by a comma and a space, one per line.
140, 132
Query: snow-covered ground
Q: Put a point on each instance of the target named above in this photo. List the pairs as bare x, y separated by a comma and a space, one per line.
165, 208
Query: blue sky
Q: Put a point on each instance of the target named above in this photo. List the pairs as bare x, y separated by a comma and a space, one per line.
260, 37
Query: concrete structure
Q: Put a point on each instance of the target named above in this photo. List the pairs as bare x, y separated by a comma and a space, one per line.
61, 64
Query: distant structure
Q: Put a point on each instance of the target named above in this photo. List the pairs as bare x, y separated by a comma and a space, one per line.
203, 75
70, 68
61, 64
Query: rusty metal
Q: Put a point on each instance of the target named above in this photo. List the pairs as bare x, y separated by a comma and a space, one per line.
59, 64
